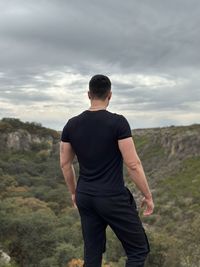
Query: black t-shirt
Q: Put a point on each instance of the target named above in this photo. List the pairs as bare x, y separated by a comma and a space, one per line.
93, 136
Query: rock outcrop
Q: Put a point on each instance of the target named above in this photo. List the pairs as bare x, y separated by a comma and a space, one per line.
179, 141
27, 136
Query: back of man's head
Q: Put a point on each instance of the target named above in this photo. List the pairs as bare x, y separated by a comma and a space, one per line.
99, 86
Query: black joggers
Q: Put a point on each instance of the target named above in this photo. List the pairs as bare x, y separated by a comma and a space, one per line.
120, 213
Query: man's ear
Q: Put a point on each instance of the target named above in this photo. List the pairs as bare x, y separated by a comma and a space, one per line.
89, 95
110, 94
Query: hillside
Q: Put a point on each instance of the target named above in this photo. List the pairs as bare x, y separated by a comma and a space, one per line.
39, 227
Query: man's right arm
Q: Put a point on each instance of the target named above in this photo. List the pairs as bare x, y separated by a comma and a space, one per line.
136, 172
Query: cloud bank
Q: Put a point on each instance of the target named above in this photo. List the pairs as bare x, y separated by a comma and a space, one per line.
149, 49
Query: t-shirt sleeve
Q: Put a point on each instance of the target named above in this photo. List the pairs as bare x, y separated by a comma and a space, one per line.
123, 129
65, 135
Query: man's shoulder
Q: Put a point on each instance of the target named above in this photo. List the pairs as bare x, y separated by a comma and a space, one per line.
115, 114
75, 117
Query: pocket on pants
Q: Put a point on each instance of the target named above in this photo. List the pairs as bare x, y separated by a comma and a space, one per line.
131, 198
147, 240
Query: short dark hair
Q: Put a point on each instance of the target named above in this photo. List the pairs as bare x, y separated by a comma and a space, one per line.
99, 86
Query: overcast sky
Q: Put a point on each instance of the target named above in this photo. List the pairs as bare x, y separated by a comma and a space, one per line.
150, 50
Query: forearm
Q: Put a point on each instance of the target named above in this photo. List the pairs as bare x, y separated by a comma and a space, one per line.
70, 177
138, 176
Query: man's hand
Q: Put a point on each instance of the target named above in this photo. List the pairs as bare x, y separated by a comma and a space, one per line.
149, 206
74, 200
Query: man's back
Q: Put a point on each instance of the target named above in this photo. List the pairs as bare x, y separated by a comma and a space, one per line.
102, 141
94, 138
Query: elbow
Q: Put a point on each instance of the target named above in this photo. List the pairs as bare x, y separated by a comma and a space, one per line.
65, 165
134, 165
61, 166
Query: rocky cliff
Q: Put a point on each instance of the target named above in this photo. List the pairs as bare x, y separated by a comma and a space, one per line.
161, 149
18, 136
179, 141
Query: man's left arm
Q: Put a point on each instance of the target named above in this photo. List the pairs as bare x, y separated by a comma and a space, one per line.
67, 155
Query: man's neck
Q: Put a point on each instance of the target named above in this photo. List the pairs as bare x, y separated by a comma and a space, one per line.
98, 105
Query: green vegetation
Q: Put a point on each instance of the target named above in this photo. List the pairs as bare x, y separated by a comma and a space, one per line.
140, 141
184, 187
39, 227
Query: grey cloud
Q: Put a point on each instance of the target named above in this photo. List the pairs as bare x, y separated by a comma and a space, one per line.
113, 37
133, 35
160, 98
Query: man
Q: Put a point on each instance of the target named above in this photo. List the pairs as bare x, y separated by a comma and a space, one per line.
102, 141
